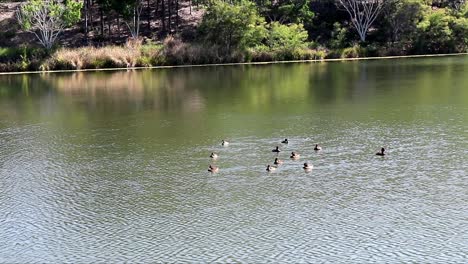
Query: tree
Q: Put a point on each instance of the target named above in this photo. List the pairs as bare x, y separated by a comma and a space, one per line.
402, 17
232, 25
46, 19
435, 34
131, 11
460, 34
363, 13
290, 36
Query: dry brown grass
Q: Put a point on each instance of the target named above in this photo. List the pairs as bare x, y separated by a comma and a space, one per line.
91, 57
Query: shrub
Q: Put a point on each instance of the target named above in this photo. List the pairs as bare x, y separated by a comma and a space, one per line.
290, 36
233, 26
353, 52
338, 36
460, 34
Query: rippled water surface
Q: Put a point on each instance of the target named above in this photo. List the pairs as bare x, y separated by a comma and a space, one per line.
113, 166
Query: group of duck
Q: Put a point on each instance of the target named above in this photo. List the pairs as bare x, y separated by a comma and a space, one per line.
270, 168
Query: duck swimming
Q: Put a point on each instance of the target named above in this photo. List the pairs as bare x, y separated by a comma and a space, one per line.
381, 152
270, 168
277, 150
213, 169
317, 147
294, 155
214, 155
308, 167
278, 161
224, 143
285, 141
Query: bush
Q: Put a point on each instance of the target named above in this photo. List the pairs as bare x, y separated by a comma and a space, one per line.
237, 26
353, 52
338, 36
460, 34
290, 36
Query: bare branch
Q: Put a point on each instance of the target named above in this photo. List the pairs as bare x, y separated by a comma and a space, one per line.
362, 13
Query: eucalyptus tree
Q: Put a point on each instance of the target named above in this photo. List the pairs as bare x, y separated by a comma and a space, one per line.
46, 19
363, 13
131, 11
402, 18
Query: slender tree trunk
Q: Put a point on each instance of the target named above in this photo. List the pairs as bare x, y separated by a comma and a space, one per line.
190, 6
177, 15
90, 8
169, 22
109, 24
163, 17
149, 14
85, 11
102, 22
118, 25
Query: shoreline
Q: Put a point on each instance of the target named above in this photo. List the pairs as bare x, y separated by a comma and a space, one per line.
239, 64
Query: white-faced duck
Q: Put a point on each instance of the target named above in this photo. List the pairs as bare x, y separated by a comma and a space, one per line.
270, 168
224, 143
213, 169
278, 161
317, 147
381, 152
277, 150
214, 155
285, 141
295, 155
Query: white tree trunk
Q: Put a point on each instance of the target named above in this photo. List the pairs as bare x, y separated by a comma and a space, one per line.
363, 13
134, 25
46, 27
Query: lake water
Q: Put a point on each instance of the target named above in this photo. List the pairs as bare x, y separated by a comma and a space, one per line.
112, 166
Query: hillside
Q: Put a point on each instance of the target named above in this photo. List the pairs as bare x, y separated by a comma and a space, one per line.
112, 30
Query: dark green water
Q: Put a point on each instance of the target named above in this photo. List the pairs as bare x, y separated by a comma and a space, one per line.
112, 166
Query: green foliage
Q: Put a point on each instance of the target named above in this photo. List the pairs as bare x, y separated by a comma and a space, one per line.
66, 13
287, 11
339, 36
435, 33
47, 18
71, 11
355, 51
460, 34
18, 54
401, 19
232, 26
289, 37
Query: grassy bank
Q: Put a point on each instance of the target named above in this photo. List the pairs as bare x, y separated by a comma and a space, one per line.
170, 52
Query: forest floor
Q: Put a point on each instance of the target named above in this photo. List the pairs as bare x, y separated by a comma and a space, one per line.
114, 30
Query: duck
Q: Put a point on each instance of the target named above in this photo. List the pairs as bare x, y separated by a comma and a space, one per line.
213, 169
214, 155
270, 168
224, 143
285, 141
294, 155
317, 147
381, 152
277, 150
308, 167
278, 161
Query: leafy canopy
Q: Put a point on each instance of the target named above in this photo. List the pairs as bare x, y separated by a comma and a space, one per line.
232, 25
